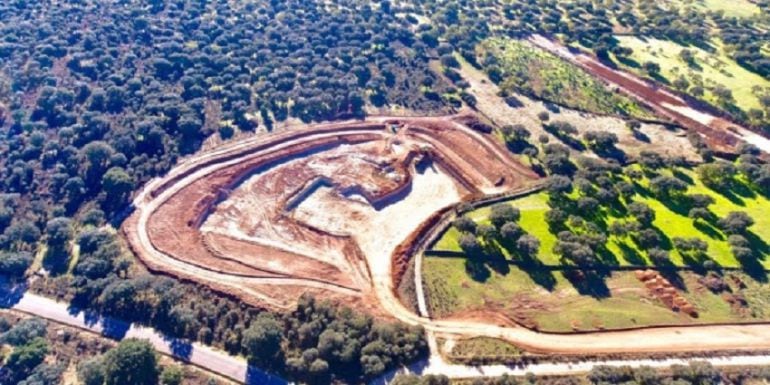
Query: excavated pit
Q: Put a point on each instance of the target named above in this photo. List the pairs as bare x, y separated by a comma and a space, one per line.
319, 210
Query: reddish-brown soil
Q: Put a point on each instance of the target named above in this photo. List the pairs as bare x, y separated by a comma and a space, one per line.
720, 134
226, 218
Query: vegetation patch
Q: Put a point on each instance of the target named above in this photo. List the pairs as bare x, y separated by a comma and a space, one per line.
605, 246
519, 67
734, 8
555, 301
481, 349
671, 219
709, 74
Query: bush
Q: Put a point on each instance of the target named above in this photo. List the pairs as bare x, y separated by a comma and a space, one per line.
171, 375
24, 331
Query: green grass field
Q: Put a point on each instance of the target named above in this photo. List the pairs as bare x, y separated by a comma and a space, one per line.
714, 68
545, 298
554, 304
732, 8
668, 220
550, 78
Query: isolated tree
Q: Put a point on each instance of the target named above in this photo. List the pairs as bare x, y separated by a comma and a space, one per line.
647, 238
465, 225
617, 228
132, 362
528, 245
627, 190
502, 213
95, 156
171, 375
724, 95
652, 68
736, 240
642, 213
717, 175
658, 256
690, 246
587, 205
469, 244
22, 232
487, 232
24, 358
651, 160
687, 56
556, 217
602, 142
511, 231
681, 83
736, 222
667, 186
701, 200
24, 331
699, 213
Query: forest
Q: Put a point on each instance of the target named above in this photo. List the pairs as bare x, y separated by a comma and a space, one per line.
98, 97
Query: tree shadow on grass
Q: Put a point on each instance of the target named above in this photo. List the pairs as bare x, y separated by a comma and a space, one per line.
495, 260
631, 255
754, 269
479, 266
531, 265
589, 282
665, 241
537, 272
709, 230
477, 269
669, 271
678, 204
683, 177
606, 257
729, 195
742, 190
697, 262
758, 245
627, 61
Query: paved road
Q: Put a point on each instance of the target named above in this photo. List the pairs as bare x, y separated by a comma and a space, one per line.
196, 354
237, 369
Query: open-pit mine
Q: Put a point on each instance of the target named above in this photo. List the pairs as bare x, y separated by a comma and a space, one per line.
327, 209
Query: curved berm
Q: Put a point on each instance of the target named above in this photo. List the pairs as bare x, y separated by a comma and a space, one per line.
316, 210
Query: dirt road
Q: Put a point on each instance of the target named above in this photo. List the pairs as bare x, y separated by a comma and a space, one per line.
238, 370
719, 132
671, 339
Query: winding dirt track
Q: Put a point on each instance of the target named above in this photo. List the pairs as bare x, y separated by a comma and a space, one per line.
157, 192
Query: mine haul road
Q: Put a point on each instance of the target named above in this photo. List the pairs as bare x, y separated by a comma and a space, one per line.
703, 338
